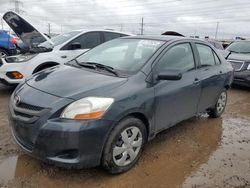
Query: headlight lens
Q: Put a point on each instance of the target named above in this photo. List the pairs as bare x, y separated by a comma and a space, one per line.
248, 68
87, 108
19, 58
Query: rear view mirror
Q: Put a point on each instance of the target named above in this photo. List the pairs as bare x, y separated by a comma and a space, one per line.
75, 46
169, 75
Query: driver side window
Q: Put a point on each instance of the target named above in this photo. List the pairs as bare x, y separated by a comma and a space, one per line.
179, 58
87, 40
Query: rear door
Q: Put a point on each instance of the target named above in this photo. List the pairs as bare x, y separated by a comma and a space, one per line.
176, 100
211, 76
87, 40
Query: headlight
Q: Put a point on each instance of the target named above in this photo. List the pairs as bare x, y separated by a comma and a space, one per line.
87, 108
248, 68
19, 58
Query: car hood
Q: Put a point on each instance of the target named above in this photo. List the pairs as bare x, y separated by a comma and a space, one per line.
239, 57
24, 30
74, 83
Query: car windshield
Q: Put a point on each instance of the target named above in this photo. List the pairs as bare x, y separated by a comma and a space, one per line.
240, 47
60, 39
125, 55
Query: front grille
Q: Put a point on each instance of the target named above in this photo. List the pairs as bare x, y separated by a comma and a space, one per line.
29, 107
237, 65
27, 112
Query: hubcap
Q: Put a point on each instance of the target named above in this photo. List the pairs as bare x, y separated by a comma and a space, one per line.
221, 104
127, 146
2, 54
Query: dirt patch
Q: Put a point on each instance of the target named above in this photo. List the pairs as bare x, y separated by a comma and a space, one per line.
199, 152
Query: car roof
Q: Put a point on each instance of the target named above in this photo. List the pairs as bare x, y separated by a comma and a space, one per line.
102, 30
165, 38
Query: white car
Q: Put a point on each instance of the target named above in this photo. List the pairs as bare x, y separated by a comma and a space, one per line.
45, 52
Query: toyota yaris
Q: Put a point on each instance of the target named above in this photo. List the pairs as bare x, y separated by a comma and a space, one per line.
104, 106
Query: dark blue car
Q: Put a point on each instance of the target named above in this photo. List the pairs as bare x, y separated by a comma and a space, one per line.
102, 107
7, 44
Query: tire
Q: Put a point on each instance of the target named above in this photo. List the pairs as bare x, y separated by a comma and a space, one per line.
3, 53
116, 163
220, 106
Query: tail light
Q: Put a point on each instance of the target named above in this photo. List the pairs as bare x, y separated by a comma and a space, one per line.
13, 41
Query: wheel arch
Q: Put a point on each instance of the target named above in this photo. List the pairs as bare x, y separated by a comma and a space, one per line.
44, 65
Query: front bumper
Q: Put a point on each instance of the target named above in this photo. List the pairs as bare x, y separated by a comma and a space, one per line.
242, 78
65, 143
33, 116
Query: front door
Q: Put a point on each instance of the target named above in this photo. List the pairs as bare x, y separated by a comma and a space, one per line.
176, 100
87, 41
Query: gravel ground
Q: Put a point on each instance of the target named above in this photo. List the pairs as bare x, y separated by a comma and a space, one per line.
199, 152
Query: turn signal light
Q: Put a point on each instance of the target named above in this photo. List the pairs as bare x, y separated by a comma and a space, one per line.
14, 75
93, 115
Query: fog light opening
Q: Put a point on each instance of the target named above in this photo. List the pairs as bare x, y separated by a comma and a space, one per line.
14, 75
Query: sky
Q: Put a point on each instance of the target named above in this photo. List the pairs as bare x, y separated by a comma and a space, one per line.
189, 17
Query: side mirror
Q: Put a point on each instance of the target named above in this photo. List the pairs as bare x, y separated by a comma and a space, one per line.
75, 46
169, 75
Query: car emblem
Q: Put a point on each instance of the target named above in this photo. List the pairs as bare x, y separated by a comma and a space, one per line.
17, 100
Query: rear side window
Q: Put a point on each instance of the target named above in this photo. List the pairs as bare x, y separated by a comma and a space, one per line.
206, 55
179, 57
109, 36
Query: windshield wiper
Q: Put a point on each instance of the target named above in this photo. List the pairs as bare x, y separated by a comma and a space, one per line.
100, 66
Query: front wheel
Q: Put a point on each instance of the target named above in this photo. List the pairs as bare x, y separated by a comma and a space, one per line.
124, 145
220, 105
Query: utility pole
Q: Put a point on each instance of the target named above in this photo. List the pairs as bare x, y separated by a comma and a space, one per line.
49, 29
17, 4
142, 24
217, 28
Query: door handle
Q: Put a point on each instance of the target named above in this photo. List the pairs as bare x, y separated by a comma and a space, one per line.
196, 81
64, 56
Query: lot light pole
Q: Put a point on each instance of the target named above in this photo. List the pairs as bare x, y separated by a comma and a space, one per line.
142, 24
217, 28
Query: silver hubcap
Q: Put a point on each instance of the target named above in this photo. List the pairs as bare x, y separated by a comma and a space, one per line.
221, 104
2, 54
127, 146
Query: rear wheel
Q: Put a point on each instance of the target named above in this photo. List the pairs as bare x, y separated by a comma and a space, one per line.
220, 105
3, 53
124, 145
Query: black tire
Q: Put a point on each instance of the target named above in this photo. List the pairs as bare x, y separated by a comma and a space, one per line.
108, 162
217, 111
2, 51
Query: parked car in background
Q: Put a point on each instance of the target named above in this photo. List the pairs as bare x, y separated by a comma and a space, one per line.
102, 107
239, 57
58, 50
7, 44
216, 44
